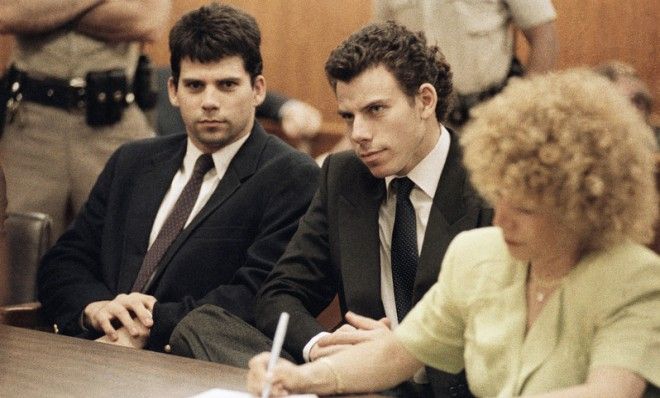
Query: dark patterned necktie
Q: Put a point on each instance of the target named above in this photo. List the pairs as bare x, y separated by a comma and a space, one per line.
174, 223
404, 247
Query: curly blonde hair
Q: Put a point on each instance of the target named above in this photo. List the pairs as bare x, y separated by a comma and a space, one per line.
569, 142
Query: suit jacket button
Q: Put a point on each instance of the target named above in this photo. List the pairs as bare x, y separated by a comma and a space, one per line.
167, 348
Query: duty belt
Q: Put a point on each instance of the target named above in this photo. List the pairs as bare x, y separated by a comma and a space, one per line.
61, 93
58, 93
102, 95
460, 113
461, 110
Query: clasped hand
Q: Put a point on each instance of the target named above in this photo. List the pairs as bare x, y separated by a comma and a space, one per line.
358, 329
132, 311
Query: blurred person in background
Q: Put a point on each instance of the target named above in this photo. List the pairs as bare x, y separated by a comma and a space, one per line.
628, 82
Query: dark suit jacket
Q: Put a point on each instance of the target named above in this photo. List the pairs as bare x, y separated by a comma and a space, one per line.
336, 248
221, 258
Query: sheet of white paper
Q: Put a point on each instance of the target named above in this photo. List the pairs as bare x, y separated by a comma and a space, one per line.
221, 393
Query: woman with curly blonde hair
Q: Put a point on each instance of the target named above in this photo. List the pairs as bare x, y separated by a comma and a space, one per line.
560, 298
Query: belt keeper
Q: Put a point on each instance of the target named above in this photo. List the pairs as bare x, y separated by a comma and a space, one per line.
79, 84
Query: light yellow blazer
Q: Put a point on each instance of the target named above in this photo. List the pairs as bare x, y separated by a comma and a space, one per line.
606, 312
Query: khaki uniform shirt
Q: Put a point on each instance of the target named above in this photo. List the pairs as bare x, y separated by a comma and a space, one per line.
474, 35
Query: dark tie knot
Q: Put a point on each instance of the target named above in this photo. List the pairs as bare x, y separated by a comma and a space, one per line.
403, 186
203, 164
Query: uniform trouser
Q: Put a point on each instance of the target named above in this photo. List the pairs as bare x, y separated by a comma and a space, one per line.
52, 158
213, 334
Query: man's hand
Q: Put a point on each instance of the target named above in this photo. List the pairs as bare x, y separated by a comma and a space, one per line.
133, 311
300, 119
358, 330
124, 339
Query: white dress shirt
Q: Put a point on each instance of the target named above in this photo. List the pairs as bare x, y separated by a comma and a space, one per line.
426, 176
221, 160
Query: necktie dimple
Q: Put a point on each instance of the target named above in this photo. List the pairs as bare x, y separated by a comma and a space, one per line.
174, 223
404, 247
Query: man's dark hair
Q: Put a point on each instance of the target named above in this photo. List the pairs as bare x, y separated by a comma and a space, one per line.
404, 53
213, 32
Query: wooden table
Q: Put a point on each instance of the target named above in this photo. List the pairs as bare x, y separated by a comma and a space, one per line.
39, 364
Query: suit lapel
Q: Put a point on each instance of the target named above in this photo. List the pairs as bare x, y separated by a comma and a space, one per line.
360, 244
150, 187
243, 165
449, 206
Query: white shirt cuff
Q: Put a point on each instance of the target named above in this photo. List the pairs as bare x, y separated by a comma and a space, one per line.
81, 322
310, 344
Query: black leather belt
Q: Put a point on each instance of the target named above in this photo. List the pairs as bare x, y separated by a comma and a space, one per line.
101, 95
460, 112
59, 93
67, 94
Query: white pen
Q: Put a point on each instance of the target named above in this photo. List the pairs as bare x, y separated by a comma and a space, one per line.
278, 340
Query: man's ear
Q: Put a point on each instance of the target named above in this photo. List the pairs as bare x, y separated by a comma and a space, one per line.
171, 92
428, 98
259, 90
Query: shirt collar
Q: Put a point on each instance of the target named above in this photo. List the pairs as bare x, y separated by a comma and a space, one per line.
221, 158
426, 175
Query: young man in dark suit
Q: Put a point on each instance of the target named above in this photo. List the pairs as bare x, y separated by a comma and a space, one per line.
363, 238
181, 221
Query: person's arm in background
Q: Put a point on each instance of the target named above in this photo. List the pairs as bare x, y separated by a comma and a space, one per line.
37, 16
536, 20
122, 20
543, 47
298, 119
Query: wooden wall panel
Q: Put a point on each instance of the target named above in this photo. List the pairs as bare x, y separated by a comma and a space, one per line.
595, 31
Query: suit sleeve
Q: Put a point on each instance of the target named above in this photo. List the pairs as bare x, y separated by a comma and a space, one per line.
304, 282
289, 199
69, 276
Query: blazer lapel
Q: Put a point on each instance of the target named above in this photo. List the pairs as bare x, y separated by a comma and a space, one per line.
449, 206
243, 165
360, 244
150, 187
541, 338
